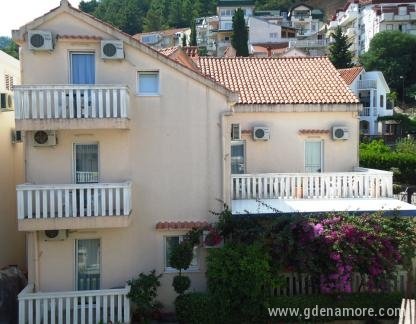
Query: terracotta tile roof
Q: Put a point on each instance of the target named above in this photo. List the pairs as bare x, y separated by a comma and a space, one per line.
229, 52
280, 80
350, 74
192, 52
168, 51
313, 131
86, 37
181, 225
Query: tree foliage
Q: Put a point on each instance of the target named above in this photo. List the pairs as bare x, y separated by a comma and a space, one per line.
239, 37
8, 46
192, 40
135, 16
394, 54
340, 54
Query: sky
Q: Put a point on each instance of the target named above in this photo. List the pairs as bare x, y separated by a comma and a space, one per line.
20, 12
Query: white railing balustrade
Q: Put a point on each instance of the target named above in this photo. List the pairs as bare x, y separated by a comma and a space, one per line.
70, 101
367, 84
301, 284
86, 177
365, 111
89, 306
363, 183
307, 43
73, 200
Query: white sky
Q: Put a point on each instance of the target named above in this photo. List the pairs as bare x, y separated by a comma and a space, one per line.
16, 13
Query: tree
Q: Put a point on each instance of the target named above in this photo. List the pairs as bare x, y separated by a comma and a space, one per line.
176, 14
239, 38
340, 54
192, 40
394, 54
154, 18
88, 6
11, 48
184, 40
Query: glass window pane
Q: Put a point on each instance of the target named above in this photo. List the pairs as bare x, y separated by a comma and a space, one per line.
88, 264
313, 155
148, 82
237, 157
171, 242
86, 163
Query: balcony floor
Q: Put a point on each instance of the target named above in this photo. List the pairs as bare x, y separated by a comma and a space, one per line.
315, 206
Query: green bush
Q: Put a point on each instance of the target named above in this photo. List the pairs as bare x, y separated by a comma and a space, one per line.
181, 284
195, 308
237, 276
307, 303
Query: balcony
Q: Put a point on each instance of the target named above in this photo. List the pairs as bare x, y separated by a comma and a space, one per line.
362, 183
89, 306
52, 107
318, 43
366, 84
73, 206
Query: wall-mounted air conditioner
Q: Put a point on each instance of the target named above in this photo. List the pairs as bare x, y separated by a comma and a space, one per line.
112, 50
340, 133
6, 101
261, 133
54, 235
40, 40
44, 138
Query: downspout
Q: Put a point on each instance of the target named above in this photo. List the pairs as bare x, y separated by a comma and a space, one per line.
225, 181
36, 260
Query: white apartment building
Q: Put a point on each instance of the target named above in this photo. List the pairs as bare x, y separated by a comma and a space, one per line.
371, 88
361, 20
305, 19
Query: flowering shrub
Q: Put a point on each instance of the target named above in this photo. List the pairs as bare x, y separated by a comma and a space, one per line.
331, 248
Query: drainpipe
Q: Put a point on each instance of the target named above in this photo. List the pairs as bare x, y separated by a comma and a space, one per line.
36, 259
224, 157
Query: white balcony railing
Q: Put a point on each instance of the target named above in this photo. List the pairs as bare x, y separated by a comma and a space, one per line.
89, 306
362, 183
308, 43
366, 84
86, 177
73, 200
70, 101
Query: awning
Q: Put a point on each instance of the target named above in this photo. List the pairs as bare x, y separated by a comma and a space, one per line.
388, 206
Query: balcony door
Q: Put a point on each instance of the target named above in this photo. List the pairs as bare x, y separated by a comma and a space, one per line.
313, 156
238, 163
88, 264
82, 68
86, 163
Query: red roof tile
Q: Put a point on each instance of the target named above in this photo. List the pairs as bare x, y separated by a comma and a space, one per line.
168, 51
294, 80
349, 75
86, 37
181, 225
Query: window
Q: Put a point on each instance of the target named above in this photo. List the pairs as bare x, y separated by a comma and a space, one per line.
389, 27
8, 81
402, 10
170, 243
148, 83
226, 38
150, 39
381, 101
82, 68
86, 163
273, 35
88, 268
238, 165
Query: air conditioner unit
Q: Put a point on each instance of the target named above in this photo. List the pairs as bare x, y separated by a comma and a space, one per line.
340, 133
112, 50
40, 40
235, 132
261, 133
6, 101
17, 136
54, 235
44, 138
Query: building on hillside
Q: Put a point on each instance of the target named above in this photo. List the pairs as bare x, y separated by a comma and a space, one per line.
127, 149
225, 12
360, 20
206, 34
164, 38
305, 19
265, 31
12, 243
371, 88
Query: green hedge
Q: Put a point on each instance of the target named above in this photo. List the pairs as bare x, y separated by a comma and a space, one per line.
405, 163
195, 308
201, 308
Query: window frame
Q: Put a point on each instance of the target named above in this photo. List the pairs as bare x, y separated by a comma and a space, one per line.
244, 144
168, 269
74, 162
75, 256
309, 140
80, 51
147, 94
